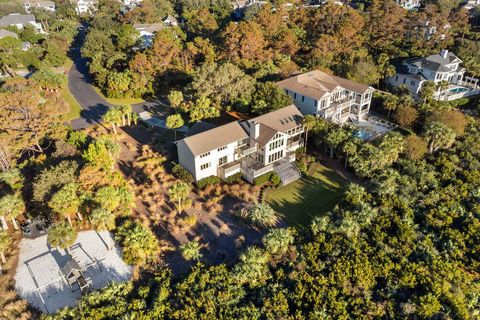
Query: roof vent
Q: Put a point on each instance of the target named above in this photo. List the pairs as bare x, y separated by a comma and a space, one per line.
444, 53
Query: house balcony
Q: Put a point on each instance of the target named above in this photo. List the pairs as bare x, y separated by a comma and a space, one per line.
294, 145
252, 168
246, 150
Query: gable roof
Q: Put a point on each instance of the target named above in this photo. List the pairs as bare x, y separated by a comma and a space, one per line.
16, 18
435, 62
215, 138
69, 267
149, 28
39, 3
5, 33
280, 120
316, 84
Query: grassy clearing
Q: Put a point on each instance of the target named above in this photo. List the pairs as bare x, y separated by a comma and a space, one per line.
119, 102
307, 197
74, 106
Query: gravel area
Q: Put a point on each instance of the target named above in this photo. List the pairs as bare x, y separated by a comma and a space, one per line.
39, 273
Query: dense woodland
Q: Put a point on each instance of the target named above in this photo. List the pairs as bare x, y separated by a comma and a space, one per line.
404, 242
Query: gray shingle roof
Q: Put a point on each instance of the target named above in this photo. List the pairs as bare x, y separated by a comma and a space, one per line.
16, 18
5, 33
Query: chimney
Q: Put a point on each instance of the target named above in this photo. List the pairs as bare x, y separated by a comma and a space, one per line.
254, 130
444, 53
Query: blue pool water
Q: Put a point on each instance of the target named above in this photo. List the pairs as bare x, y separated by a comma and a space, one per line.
364, 134
457, 90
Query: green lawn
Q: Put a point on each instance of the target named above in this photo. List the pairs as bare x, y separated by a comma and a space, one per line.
119, 102
300, 201
75, 108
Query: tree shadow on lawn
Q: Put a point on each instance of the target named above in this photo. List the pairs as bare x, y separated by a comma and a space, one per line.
308, 197
225, 237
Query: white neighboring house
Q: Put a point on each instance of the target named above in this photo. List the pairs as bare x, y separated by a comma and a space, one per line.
5, 33
408, 4
20, 21
471, 4
170, 21
252, 147
85, 6
445, 66
147, 32
329, 97
40, 4
130, 3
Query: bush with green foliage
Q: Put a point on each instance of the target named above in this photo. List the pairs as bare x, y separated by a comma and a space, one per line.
181, 173
201, 184
261, 180
234, 178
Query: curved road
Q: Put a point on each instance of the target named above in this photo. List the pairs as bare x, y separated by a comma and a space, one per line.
79, 82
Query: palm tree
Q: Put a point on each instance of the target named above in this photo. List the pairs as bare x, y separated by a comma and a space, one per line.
113, 117
390, 104
126, 111
61, 235
334, 137
138, 242
5, 242
11, 206
13, 178
66, 202
174, 122
253, 267
262, 215
175, 98
277, 241
438, 136
191, 250
349, 148
108, 198
179, 191
102, 220
308, 123
441, 87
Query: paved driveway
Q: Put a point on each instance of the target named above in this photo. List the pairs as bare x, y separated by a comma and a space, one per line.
93, 105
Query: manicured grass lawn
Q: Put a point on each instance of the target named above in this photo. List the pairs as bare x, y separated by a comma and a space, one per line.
300, 201
119, 102
75, 108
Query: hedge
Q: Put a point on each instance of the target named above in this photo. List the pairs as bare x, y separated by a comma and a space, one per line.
235, 178
207, 181
181, 173
267, 177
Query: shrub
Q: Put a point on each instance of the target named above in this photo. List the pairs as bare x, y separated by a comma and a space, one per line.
207, 182
261, 215
275, 179
261, 180
181, 173
237, 177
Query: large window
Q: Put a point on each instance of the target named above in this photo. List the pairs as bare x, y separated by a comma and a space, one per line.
275, 156
205, 166
242, 142
222, 148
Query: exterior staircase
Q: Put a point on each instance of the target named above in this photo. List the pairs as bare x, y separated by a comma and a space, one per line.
287, 171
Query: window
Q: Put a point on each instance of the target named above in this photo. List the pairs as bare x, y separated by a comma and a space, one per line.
275, 144
404, 79
286, 91
275, 156
222, 160
222, 148
396, 79
412, 83
294, 95
315, 103
303, 98
206, 154
242, 142
205, 166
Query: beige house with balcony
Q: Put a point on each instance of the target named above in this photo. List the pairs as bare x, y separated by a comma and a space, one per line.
327, 96
252, 147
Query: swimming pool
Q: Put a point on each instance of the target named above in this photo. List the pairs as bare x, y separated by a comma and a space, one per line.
458, 90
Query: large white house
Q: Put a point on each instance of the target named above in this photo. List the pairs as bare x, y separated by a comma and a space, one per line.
412, 73
408, 4
252, 147
39, 4
327, 96
20, 21
85, 6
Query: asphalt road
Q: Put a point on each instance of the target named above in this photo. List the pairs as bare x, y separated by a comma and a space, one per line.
79, 82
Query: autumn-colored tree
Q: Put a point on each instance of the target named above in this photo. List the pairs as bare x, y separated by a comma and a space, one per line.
453, 119
405, 116
415, 147
245, 44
